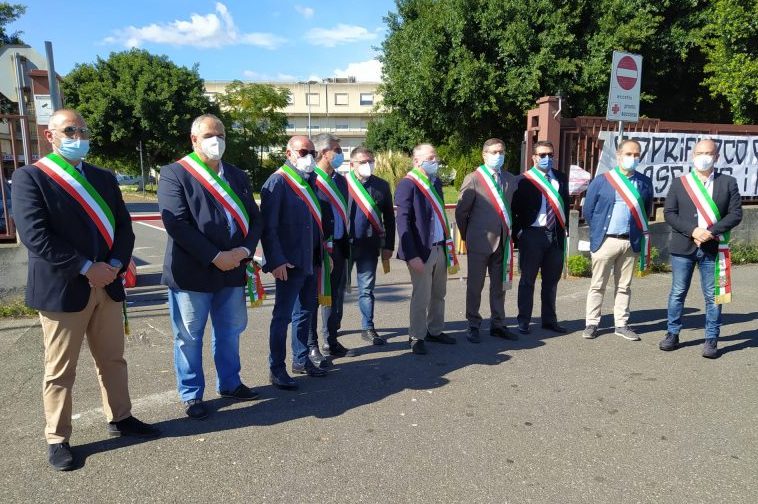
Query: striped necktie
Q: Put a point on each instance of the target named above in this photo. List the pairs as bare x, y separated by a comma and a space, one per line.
549, 213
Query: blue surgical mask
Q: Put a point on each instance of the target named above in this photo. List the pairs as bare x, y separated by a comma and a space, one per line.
73, 149
630, 163
545, 163
430, 167
337, 161
494, 161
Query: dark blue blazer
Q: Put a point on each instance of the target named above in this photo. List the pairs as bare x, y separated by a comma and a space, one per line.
415, 220
61, 238
362, 243
198, 230
527, 201
290, 234
598, 207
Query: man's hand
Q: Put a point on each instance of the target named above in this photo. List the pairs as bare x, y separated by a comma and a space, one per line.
386, 254
240, 254
101, 274
701, 235
280, 272
227, 260
416, 264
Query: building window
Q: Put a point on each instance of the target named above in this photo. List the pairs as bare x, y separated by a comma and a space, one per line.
315, 127
367, 98
290, 125
313, 99
341, 126
340, 98
290, 99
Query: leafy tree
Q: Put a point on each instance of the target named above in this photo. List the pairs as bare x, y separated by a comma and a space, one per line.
136, 96
8, 13
254, 121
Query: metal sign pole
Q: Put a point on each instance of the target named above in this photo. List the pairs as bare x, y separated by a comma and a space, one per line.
621, 133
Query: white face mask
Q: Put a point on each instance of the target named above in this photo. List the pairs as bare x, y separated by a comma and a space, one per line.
305, 164
493, 161
703, 162
213, 148
630, 163
365, 169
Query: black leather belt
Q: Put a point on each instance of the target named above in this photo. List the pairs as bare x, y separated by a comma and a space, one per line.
618, 236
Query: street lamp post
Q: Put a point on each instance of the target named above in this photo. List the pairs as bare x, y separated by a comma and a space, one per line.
141, 167
308, 99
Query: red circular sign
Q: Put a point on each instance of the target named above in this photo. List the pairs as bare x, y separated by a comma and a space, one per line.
627, 73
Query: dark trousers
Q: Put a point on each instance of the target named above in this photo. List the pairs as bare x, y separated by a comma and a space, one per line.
540, 251
331, 316
296, 301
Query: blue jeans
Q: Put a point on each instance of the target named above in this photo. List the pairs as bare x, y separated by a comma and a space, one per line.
189, 312
682, 267
365, 268
296, 300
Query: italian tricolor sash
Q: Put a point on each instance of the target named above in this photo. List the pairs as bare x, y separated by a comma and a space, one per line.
707, 208
365, 202
419, 178
74, 183
255, 291
497, 199
554, 199
306, 194
633, 200
325, 183
218, 188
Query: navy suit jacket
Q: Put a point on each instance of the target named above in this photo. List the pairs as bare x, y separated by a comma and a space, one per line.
362, 243
415, 220
198, 230
527, 201
328, 213
290, 233
598, 208
61, 238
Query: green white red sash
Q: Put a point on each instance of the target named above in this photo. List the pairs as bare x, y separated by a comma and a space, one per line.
419, 178
74, 183
554, 199
305, 192
707, 208
327, 185
631, 196
255, 291
218, 188
365, 202
497, 199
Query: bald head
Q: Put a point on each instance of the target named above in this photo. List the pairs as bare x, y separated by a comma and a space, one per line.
705, 146
298, 142
64, 117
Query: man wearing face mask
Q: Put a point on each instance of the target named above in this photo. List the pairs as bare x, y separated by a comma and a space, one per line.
372, 232
332, 195
426, 246
616, 208
540, 207
702, 208
213, 227
483, 215
73, 221
294, 238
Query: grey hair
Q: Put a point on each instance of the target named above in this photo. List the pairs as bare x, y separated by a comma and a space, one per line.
202, 118
321, 143
420, 147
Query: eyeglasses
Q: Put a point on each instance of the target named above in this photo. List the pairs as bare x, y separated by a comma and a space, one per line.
70, 131
305, 152
544, 154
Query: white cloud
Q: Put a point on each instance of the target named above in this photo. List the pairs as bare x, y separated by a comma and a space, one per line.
264, 77
211, 30
340, 34
306, 12
363, 71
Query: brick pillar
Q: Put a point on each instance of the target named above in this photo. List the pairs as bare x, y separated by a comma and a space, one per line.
543, 123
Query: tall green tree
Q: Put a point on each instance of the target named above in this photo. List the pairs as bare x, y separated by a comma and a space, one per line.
136, 96
255, 121
8, 13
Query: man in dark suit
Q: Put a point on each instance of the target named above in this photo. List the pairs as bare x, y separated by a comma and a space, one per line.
481, 217
78, 246
293, 243
701, 208
540, 208
213, 227
423, 248
370, 238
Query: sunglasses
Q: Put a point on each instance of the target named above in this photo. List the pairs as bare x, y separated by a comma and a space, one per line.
544, 154
72, 130
305, 152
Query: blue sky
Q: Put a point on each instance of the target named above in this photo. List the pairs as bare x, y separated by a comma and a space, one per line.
231, 39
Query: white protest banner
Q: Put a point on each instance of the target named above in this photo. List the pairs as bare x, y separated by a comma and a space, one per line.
666, 156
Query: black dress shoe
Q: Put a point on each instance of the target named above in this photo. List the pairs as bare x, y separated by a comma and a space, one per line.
60, 457
372, 336
418, 347
130, 426
473, 335
241, 393
283, 381
317, 359
336, 349
440, 338
523, 327
503, 332
195, 409
308, 369
553, 326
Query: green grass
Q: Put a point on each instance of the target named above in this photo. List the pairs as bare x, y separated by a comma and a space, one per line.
449, 194
15, 308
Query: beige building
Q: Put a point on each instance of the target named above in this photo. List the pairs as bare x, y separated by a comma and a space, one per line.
340, 106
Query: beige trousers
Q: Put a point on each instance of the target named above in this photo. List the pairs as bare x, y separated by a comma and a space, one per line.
102, 322
428, 297
614, 255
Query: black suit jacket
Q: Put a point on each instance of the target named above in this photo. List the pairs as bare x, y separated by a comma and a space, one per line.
680, 213
527, 201
198, 229
362, 243
61, 238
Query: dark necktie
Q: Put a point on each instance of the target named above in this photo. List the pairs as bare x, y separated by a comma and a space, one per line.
549, 213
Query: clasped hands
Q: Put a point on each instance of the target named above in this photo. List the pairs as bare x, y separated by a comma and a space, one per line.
701, 236
230, 259
101, 274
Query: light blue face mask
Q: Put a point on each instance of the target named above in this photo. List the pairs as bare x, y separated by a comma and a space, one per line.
338, 160
430, 167
545, 163
73, 149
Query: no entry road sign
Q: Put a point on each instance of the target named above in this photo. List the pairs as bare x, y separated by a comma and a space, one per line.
624, 93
